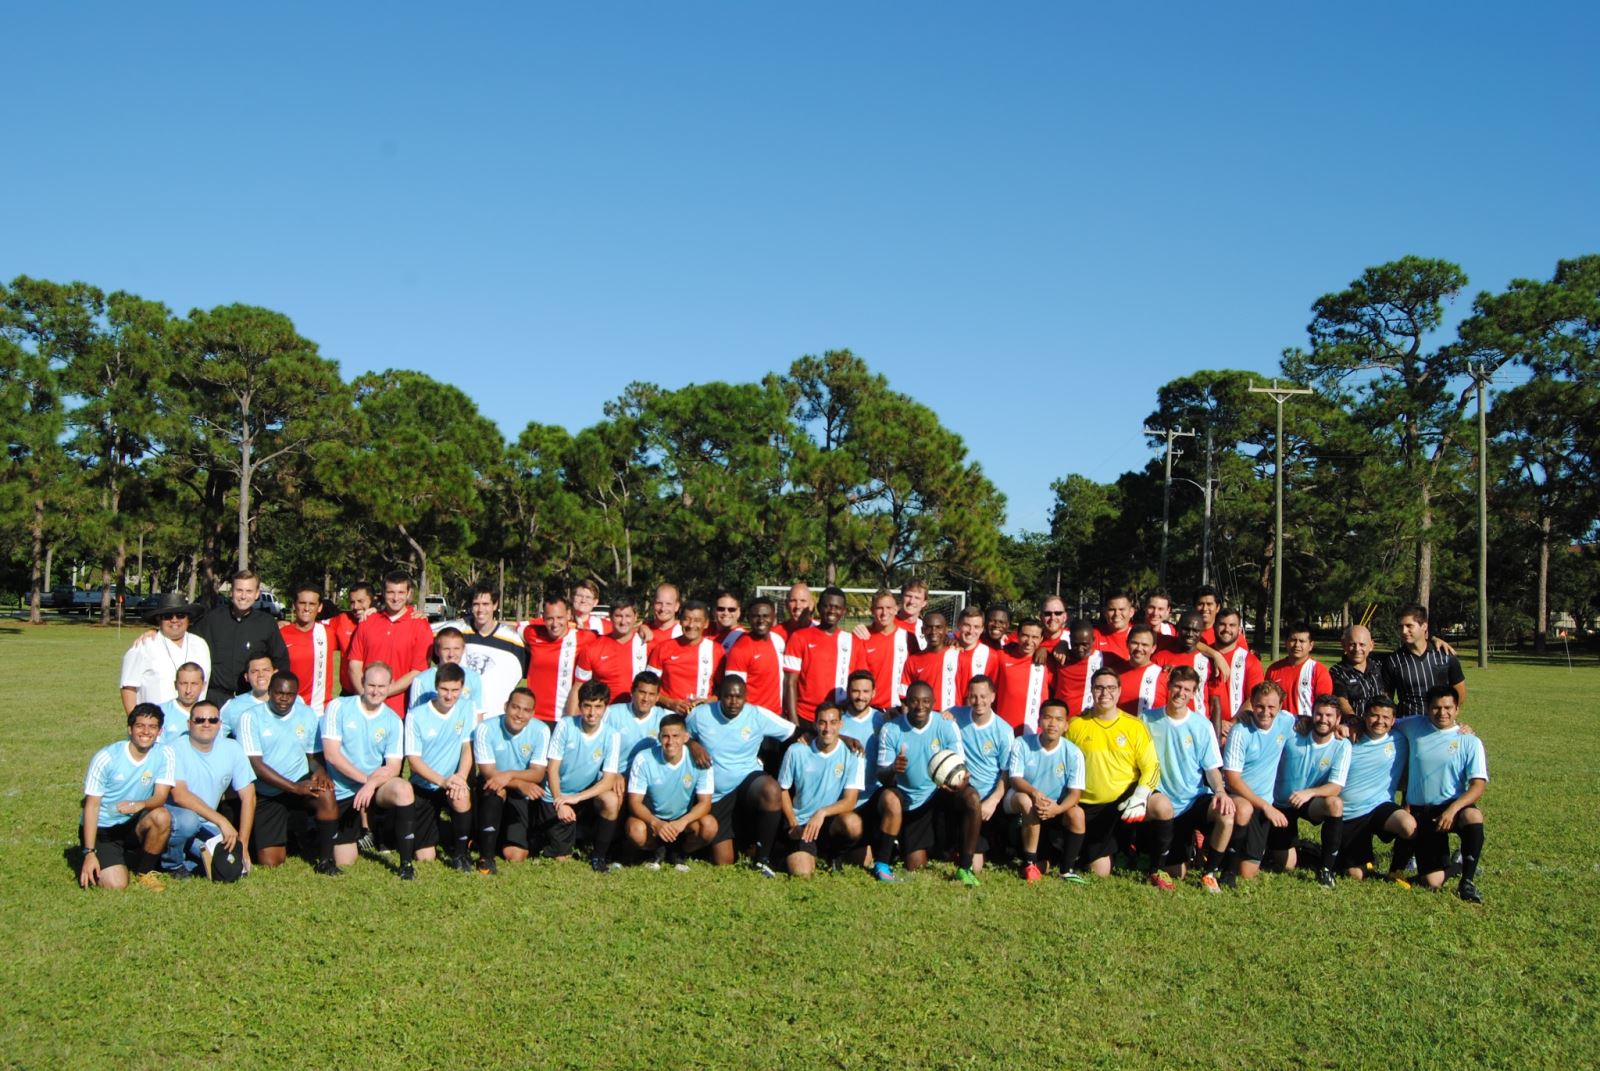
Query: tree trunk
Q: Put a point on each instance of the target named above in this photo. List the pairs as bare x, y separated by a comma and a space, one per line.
245, 472
1541, 620
194, 576
49, 564
1425, 551
36, 531
421, 557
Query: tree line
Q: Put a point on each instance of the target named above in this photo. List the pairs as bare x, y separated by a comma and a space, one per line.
172, 449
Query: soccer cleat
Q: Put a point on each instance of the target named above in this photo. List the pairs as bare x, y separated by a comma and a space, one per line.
1159, 879
652, 864
883, 872
486, 865
760, 866
461, 864
152, 881
1469, 891
1030, 873
681, 867
327, 868
408, 872
1229, 880
1325, 878
599, 865
1399, 879
367, 844
177, 875
1209, 882
968, 878
1074, 877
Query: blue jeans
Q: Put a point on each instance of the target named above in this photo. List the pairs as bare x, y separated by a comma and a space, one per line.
189, 832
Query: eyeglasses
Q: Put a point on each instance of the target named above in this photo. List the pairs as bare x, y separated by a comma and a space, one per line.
1105, 688
204, 721
1054, 613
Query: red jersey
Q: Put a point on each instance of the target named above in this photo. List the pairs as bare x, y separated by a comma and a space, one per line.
1112, 642
1245, 672
885, 657
982, 660
343, 627
552, 667
688, 670
936, 669
1301, 684
1070, 683
912, 625
400, 642
1201, 665
1020, 686
1144, 689
785, 630
613, 663
1209, 636
759, 663
820, 663
311, 659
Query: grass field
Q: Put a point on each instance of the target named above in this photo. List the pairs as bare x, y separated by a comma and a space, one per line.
557, 967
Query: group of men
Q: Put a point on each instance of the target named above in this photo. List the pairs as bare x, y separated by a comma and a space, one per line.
698, 730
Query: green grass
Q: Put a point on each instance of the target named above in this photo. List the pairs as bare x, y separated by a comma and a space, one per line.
554, 966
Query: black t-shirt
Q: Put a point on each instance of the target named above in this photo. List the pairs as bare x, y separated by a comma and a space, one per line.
1358, 686
234, 641
1411, 675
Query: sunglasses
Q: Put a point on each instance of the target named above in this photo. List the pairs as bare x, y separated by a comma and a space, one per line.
172, 617
727, 609
204, 721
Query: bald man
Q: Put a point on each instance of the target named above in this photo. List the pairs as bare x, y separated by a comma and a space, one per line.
801, 607
1358, 678
664, 615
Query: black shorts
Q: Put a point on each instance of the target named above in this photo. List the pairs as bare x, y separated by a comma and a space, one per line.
827, 844
429, 801
276, 815
518, 822
918, 831
1432, 847
1103, 829
113, 845
560, 838
1250, 839
1197, 817
727, 810
1355, 849
1281, 840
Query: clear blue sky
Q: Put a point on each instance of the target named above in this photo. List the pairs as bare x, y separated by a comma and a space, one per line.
1026, 216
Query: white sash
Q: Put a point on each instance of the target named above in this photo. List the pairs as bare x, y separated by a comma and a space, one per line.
564, 667
1147, 688
947, 680
980, 661
1236, 664
902, 651
1303, 687
1030, 712
705, 663
640, 653
319, 667
841, 667
1097, 659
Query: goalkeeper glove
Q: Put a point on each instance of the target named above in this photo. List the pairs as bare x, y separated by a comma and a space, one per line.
1132, 808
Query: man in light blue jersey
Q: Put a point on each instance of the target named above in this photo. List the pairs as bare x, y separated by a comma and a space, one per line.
363, 743
725, 736
126, 823
1191, 777
1044, 781
669, 798
584, 777
1311, 776
208, 764
1377, 770
283, 741
439, 751
450, 649
258, 674
986, 740
510, 752
190, 684
862, 722
1250, 769
1446, 775
637, 720
820, 781
908, 808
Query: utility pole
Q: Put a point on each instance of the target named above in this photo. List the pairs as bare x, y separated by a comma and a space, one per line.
1479, 375
1278, 395
1166, 488
1205, 545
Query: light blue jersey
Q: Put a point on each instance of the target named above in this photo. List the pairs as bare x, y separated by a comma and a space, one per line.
436, 738
816, 779
865, 729
117, 777
920, 746
494, 743
233, 710
282, 743
174, 721
1376, 770
208, 774
1186, 748
424, 690
668, 788
735, 744
1308, 764
638, 734
1443, 762
988, 748
584, 758
367, 741
1254, 753
1054, 771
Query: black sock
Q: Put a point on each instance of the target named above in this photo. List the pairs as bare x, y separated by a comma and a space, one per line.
1404, 850
964, 860
1208, 854
766, 832
143, 862
327, 830
461, 824
1332, 841
883, 848
405, 832
490, 810
1156, 833
605, 830
1030, 857
1471, 849
1071, 848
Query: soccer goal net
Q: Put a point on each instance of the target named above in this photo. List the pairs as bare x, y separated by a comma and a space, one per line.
858, 601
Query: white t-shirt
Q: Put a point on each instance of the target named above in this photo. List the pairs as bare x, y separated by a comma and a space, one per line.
151, 665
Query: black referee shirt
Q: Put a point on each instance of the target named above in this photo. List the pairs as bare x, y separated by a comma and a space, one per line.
1358, 686
1411, 675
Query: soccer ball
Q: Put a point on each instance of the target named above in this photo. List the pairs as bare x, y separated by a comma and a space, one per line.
947, 769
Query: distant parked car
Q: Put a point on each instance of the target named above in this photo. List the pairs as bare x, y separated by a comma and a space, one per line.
435, 607
58, 598
268, 604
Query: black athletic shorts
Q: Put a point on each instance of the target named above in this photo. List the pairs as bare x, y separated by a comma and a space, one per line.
1197, 817
425, 814
561, 837
1250, 839
1355, 851
1103, 829
276, 815
1432, 847
828, 844
113, 845
1281, 840
917, 825
518, 822
728, 808
380, 823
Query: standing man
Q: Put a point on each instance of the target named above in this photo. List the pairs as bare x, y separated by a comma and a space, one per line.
1053, 619
126, 824
1357, 677
1244, 672
913, 599
150, 667
725, 610
997, 627
1188, 648
817, 661
756, 657
1418, 666
283, 742
235, 632
617, 659
664, 608
311, 645
798, 606
1116, 614
495, 650
935, 665
553, 659
344, 625
398, 637
689, 663
884, 650
974, 657
1022, 681
1301, 677
1144, 684
208, 764
363, 741
1157, 610
1207, 604
1074, 667
585, 597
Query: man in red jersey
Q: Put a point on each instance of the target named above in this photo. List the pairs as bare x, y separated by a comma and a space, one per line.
585, 597
689, 663
397, 636
974, 657
664, 614
913, 600
1111, 634
614, 659
817, 661
1053, 619
1074, 668
1190, 650
1022, 682
1207, 603
1301, 677
935, 664
311, 646
1244, 672
1157, 612
799, 608
344, 633
997, 627
553, 658
756, 657
1144, 682
884, 650
725, 611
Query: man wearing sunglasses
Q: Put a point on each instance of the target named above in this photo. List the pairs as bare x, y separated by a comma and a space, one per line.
150, 667
208, 765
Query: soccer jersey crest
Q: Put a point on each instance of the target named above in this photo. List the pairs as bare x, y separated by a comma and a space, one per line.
1122, 739
688, 780
148, 776
597, 753
744, 732
1325, 763
299, 732
380, 735
525, 750
838, 769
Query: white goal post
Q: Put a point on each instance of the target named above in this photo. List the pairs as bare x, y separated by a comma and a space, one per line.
858, 601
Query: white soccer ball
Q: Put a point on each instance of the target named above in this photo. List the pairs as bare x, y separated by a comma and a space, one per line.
947, 769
